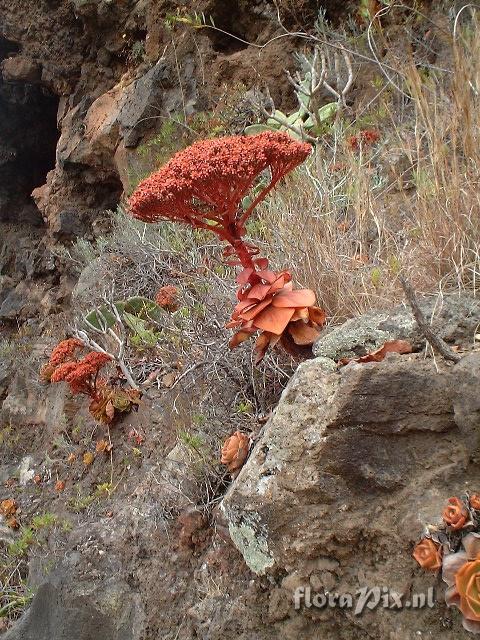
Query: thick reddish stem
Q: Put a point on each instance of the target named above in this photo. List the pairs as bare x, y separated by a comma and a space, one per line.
243, 254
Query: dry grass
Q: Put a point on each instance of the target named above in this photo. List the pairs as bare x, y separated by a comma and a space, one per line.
345, 226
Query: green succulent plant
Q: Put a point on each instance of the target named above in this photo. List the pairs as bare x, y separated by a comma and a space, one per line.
299, 119
131, 311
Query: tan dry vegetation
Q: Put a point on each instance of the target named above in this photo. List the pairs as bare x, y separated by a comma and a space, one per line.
346, 227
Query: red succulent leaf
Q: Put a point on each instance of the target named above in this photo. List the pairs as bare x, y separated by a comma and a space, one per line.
264, 341
391, 346
297, 298
240, 337
244, 275
317, 315
302, 333
261, 263
274, 320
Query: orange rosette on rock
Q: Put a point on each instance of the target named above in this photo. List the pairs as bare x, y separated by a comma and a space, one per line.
461, 572
455, 514
235, 451
428, 554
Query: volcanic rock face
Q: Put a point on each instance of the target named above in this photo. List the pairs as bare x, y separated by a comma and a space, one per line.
346, 474
111, 74
74, 113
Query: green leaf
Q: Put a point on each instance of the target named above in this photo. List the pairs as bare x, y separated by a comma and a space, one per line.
294, 135
376, 276
327, 111
273, 122
324, 113
136, 324
303, 97
144, 308
253, 129
294, 118
102, 318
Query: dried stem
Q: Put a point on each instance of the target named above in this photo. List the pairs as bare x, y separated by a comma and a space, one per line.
435, 340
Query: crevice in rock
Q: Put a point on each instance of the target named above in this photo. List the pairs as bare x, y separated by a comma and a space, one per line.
230, 18
7, 48
28, 140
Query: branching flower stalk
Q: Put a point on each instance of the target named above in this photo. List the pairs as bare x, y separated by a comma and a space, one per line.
204, 186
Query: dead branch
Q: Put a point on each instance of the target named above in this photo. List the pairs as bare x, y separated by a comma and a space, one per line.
434, 339
119, 337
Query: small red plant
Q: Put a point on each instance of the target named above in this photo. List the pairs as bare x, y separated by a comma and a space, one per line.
82, 376
204, 186
235, 451
167, 298
428, 554
454, 547
364, 138
455, 514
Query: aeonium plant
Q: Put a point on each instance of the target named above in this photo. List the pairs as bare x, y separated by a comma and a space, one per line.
205, 187
82, 375
454, 548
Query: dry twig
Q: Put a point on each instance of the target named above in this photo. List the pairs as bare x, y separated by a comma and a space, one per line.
435, 340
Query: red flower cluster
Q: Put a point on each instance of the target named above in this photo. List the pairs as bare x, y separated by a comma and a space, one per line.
82, 376
268, 302
63, 352
364, 138
167, 297
204, 184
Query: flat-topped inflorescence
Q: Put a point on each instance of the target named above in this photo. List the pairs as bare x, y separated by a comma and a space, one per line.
204, 184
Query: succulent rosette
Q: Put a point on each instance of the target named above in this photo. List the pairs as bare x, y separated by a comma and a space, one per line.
454, 547
428, 554
455, 514
235, 451
461, 572
268, 303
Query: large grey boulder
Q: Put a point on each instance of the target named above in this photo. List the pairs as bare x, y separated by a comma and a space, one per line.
348, 471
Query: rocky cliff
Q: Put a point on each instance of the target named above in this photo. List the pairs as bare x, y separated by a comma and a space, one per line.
148, 537
83, 85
